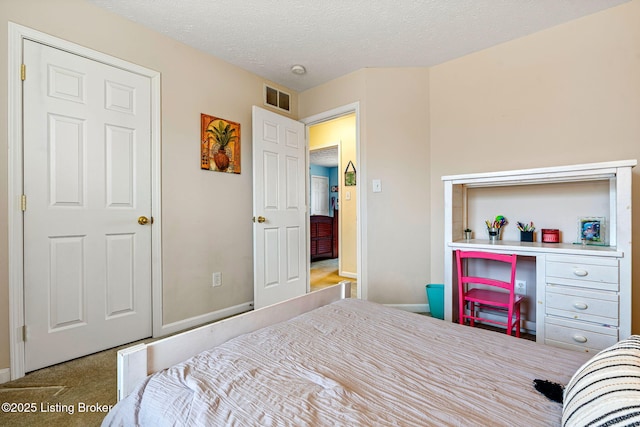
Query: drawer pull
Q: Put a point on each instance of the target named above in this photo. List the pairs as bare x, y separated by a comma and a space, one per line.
581, 305
580, 338
580, 272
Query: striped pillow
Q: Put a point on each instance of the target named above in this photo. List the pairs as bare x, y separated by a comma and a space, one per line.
605, 391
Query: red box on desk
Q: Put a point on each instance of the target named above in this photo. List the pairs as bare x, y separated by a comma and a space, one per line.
550, 235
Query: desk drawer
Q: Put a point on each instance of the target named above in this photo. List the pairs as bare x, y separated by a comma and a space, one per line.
579, 335
586, 272
580, 304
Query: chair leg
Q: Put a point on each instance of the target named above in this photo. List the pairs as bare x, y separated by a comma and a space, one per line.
472, 312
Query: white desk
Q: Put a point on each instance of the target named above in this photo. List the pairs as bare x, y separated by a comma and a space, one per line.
582, 293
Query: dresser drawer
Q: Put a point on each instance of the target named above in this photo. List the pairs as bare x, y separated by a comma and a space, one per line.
586, 272
581, 304
578, 335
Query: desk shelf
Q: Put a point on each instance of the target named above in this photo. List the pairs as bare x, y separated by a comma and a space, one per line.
529, 248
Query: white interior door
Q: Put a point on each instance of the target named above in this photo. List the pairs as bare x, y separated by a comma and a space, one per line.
319, 195
279, 204
87, 180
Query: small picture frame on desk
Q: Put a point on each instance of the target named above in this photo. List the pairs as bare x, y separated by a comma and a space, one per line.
591, 231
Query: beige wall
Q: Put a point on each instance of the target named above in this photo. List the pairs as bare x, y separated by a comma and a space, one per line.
206, 215
394, 144
570, 94
343, 130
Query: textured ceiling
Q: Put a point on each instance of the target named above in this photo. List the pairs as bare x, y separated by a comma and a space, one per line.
324, 157
332, 38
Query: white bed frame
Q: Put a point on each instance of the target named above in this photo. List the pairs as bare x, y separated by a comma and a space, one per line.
137, 362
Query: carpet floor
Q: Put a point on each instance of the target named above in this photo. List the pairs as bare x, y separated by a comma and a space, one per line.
74, 393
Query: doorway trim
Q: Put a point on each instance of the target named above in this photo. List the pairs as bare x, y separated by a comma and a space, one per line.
360, 194
17, 33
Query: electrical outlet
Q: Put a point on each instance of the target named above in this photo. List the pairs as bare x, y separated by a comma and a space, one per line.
217, 279
521, 287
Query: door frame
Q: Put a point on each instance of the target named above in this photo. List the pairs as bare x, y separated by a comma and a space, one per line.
361, 217
17, 33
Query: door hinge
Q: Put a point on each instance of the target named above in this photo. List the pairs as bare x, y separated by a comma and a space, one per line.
23, 72
24, 333
23, 202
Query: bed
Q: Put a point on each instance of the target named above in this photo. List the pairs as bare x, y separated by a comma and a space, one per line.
328, 360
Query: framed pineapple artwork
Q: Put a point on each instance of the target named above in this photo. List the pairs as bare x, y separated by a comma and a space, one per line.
219, 144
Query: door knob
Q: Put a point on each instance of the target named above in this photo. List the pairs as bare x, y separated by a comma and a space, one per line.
143, 220
261, 219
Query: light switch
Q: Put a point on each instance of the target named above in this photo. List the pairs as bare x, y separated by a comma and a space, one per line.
347, 195
377, 186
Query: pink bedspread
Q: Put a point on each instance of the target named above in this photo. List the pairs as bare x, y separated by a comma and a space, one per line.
356, 363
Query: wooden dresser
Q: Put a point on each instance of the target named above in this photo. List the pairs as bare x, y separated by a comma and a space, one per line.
324, 236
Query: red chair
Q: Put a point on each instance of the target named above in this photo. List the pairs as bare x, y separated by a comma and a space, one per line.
502, 299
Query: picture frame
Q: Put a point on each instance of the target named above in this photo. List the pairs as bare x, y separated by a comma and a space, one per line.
219, 144
350, 174
592, 231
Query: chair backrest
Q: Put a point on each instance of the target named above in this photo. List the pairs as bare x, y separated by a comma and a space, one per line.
463, 279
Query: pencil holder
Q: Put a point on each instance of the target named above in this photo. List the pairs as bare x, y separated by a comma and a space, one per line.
526, 236
494, 234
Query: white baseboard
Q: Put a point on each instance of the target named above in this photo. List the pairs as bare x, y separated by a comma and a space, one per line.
348, 275
5, 375
413, 308
192, 322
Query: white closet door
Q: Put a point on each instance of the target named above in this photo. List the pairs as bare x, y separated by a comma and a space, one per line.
87, 179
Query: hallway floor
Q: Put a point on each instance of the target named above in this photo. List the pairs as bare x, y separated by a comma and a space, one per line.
324, 273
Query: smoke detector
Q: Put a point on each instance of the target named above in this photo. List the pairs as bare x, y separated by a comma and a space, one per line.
298, 69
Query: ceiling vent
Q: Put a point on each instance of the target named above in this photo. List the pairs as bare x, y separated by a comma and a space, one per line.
277, 99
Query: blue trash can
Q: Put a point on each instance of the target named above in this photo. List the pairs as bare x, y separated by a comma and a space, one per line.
435, 296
